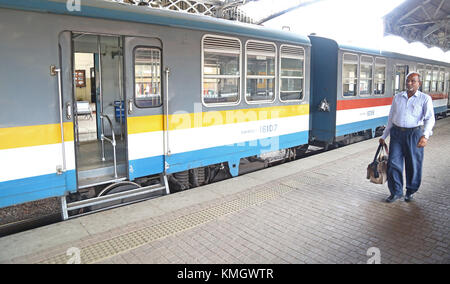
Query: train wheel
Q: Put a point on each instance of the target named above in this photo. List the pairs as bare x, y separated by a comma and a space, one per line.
116, 188
299, 151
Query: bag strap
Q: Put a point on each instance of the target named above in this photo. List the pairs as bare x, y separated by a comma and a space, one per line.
386, 149
378, 152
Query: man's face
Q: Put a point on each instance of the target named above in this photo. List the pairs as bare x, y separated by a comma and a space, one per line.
412, 83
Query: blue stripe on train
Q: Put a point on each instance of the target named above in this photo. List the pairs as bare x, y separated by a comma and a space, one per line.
442, 109
146, 166
234, 152
228, 153
360, 126
34, 188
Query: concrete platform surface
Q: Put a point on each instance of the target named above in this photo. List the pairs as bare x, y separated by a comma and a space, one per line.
319, 209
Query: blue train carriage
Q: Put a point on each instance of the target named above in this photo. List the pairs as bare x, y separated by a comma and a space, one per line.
114, 99
352, 89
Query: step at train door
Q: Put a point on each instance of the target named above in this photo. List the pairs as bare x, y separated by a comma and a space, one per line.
145, 92
94, 100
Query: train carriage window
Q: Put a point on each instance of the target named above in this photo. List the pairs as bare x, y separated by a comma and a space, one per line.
400, 72
292, 73
380, 76
221, 69
350, 75
447, 83
421, 71
366, 75
261, 71
434, 79
147, 76
427, 80
441, 80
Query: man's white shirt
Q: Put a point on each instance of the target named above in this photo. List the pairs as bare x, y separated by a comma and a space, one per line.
415, 111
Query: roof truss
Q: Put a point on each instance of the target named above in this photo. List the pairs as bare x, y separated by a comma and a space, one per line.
425, 21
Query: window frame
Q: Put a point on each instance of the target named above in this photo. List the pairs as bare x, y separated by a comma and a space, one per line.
394, 78
136, 101
239, 77
434, 80
357, 76
246, 75
441, 84
385, 75
447, 82
428, 68
280, 76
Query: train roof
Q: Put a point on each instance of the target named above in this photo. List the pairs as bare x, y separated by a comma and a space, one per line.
394, 55
383, 53
130, 13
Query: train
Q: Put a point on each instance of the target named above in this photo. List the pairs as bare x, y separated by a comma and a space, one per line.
110, 104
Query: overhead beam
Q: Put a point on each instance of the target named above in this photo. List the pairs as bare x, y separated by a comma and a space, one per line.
434, 28
275, 15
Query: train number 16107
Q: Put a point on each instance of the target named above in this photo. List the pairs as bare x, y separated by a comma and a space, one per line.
268, 128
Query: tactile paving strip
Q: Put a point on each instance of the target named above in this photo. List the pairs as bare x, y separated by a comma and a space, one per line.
122, 243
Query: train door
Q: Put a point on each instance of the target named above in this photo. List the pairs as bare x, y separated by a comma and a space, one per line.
400, 73
144, 86
98, 115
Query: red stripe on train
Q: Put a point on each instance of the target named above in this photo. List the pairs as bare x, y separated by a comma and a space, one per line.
362, 103
439, 96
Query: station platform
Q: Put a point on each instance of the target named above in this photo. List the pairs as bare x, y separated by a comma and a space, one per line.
319, 209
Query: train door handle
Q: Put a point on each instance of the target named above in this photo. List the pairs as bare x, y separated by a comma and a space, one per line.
324, 106
69, 111
130, 106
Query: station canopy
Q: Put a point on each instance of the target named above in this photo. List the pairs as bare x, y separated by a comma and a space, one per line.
424, 21
226, 9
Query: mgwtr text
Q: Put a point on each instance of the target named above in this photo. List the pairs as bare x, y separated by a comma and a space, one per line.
260, 273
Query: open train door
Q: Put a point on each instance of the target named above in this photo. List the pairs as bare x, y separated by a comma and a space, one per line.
112, 94
144, 88
93, 98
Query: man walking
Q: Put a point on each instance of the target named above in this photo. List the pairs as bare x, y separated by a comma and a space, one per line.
410, 124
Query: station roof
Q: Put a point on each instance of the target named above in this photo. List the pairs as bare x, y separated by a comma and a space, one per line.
424, 21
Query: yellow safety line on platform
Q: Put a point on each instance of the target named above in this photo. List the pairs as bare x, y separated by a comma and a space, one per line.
132, 240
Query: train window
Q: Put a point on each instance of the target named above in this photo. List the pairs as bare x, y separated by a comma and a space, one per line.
380, 76
400, 78
261, 71
427, 80
434, 79
421, 71
441, 80
292, 72
366, 75
147, 76
350, 74
221, 69
447, 84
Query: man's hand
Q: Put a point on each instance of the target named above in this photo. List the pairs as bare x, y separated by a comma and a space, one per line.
422, 142
382, 142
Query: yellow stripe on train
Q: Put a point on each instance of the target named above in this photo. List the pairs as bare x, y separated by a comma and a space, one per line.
28, 136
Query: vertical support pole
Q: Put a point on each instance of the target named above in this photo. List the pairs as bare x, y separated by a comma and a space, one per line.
57, 71
65, 214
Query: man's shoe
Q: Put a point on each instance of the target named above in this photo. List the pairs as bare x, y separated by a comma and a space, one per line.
393, 198
409, 197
